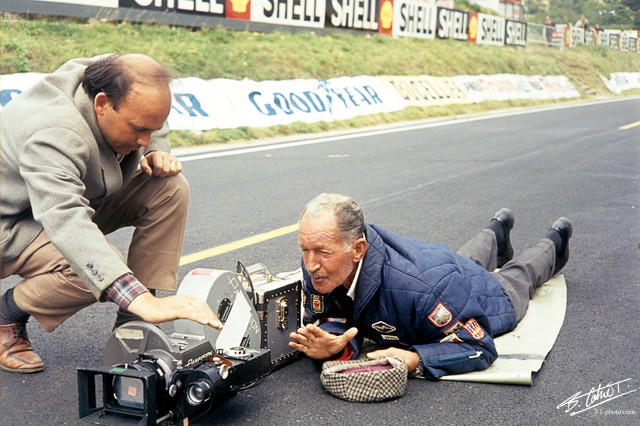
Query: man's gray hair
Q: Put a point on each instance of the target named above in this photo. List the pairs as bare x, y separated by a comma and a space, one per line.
348, 214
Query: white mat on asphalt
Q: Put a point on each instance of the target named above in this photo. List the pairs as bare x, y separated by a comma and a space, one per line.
522, 352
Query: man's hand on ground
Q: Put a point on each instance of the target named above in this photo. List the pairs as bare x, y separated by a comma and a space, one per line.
180, 306
411, 358
319, 344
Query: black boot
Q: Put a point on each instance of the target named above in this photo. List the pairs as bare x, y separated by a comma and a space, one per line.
560, 233
501, 224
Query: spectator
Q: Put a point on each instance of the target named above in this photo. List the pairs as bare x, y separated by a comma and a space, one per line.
549, 28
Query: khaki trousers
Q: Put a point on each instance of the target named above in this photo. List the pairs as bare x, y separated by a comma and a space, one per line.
156, 207
519, 277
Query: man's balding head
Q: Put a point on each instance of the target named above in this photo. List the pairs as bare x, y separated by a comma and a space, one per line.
114, 75
131, 98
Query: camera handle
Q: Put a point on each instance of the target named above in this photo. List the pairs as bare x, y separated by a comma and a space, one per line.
244, 275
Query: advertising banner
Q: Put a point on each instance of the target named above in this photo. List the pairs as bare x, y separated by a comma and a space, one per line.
353, 14
624, 42
621, 81
426, 90
590, 38
386, 17
576, 36
98, 3
415, 18
603, 38
501, 87
213, 7
426, 19
472, 33
516, 33
614, 41
491, 30
224, 103
299, 13
238, 9
452, 24
14, 84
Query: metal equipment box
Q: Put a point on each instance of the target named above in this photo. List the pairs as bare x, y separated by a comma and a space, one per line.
277, 299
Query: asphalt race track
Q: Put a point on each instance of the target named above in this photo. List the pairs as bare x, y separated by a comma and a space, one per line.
440, 181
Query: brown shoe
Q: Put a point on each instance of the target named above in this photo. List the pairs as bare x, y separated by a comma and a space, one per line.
16, 353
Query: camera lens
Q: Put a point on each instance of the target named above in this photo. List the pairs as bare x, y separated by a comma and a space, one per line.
198, 392
129, 391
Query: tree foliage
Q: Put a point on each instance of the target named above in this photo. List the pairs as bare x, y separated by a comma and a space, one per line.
618, 14
633, 5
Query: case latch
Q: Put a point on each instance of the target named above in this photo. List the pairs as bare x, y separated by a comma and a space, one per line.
282, 312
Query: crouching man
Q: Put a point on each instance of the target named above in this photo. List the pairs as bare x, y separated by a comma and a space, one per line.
85, 152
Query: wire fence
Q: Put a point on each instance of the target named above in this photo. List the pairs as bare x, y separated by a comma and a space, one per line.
547, 35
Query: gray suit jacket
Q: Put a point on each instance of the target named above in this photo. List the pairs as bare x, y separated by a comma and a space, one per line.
55, 165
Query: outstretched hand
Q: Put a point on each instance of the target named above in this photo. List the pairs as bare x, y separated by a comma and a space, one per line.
180, 306
319, 344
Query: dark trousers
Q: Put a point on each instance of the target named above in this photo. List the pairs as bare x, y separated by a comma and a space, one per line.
522, 275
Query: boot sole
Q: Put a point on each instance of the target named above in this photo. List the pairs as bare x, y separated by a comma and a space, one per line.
22, 370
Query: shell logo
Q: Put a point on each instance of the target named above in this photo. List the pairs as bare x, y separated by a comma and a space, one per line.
473, 27
239, 6
386, 14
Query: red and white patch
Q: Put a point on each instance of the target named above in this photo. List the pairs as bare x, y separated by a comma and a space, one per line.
476, 331
440, 316
317, 303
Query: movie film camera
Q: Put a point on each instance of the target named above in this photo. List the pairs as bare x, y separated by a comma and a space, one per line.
149, 377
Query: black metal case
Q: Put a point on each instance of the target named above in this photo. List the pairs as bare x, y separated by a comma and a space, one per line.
277, 300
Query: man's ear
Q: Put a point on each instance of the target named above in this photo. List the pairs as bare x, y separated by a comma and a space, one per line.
100, 103
359, 248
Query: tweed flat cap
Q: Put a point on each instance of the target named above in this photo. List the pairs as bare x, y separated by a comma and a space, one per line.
365, 380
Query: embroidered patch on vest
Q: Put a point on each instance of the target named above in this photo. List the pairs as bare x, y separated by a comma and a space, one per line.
454, 328
317, 303
452, 338
440, 316
390, 337
474, 329
383, 327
